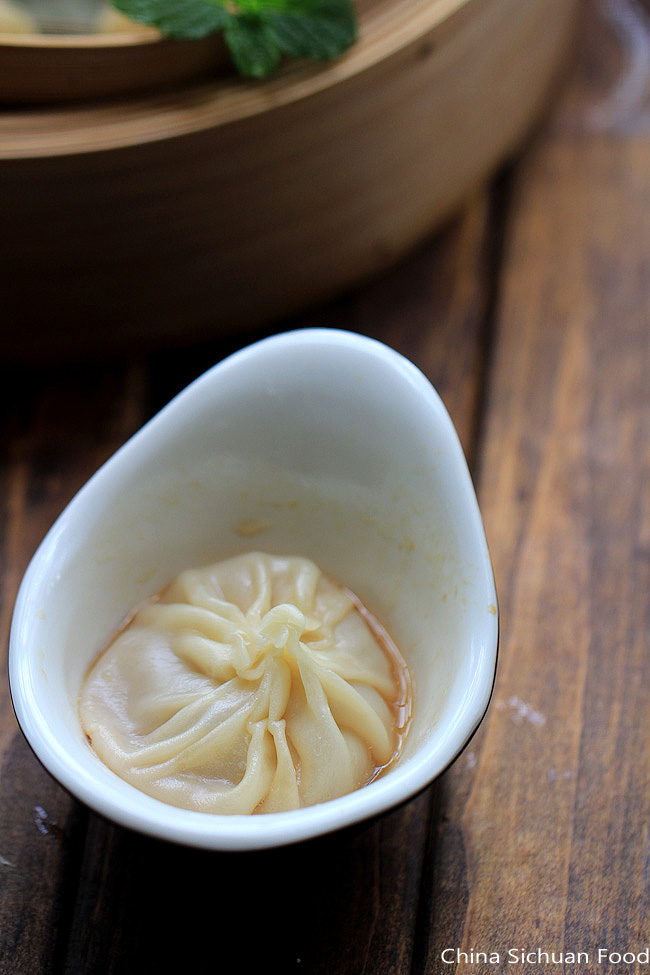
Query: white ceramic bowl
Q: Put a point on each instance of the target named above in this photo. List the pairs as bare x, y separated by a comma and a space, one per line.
318, 443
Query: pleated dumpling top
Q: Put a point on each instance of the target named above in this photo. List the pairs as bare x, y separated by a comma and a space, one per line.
252, 685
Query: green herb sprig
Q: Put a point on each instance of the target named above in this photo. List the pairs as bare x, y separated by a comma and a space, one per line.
258, 33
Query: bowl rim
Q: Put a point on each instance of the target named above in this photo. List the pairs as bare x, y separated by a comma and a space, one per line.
248, 832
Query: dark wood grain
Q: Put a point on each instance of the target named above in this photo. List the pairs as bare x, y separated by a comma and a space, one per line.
150, 906
543, 837
57, 428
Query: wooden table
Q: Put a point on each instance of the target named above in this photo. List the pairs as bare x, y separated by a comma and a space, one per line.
530, 313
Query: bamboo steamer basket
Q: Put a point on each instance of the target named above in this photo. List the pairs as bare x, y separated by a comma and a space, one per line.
210, 207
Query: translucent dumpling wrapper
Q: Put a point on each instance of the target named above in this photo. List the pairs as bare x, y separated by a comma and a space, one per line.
253, 685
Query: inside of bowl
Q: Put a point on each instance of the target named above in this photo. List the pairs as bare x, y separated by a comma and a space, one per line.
355, 467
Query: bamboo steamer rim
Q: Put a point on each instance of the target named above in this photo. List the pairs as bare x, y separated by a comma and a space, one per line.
385, 29
54, 70
50, 42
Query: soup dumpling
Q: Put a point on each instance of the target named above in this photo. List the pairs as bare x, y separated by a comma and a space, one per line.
252, 685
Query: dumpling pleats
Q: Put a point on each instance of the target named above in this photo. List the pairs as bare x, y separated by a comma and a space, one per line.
253, 685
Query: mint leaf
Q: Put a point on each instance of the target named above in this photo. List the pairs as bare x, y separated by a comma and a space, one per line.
176, 18
252, 45
319, 29
259, 33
